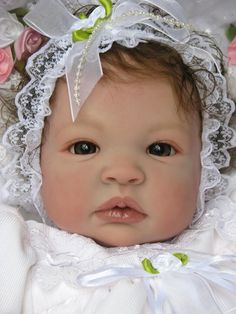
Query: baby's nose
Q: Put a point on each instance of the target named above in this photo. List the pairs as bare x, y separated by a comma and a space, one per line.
123, 173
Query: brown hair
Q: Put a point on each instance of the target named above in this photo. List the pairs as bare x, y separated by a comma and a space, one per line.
149, 59
152, 60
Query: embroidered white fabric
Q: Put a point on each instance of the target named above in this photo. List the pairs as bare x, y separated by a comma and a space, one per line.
63, 251
21, 168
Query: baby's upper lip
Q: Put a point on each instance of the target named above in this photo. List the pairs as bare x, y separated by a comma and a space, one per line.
122, 202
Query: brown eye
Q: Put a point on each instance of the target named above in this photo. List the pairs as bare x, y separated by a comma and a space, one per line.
161, 149
83, 148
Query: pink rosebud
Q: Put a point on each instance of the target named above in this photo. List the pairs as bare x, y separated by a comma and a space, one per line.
27, 43
232, 52
6, 63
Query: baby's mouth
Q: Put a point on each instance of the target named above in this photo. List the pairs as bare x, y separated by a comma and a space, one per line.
120, 210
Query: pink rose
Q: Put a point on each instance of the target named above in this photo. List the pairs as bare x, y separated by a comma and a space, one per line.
27, 43
232, 52
6, 63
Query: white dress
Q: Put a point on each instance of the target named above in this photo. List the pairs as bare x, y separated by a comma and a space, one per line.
45, 270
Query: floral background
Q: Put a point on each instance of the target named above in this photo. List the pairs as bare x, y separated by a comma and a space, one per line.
211, 15
214, 16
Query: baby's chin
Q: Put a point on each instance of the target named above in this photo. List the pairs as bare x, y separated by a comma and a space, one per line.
117, 243
124, 242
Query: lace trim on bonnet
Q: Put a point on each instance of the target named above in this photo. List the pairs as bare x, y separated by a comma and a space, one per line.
21, 173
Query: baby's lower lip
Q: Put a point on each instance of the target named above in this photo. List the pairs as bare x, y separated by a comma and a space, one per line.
120, 215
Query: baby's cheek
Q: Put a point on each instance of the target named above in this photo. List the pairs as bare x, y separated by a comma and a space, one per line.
187, 181
70, 199
185, 192
176, 191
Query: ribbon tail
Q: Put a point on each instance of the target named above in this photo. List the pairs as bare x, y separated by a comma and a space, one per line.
225, 280
108, 275
156, 295
206, 280
176, 13
92, 72
172, 7
178, 34
46, 18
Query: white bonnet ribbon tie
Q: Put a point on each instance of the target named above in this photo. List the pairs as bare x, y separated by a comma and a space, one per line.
50, 18
173, 26
40, 18
83, 75
86, 73
172, 7
207, 270
63, 22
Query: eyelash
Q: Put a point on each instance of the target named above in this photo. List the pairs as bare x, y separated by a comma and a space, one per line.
157, 149
84, 148
161, 149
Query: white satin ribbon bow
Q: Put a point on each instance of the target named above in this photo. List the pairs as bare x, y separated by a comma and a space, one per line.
208, 269
52, 19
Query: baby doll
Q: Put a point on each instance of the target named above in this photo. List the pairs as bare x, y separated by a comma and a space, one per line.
120, 135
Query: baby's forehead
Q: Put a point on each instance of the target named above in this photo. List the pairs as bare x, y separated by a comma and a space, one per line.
152, 98
151, 62
135, 87
154, 60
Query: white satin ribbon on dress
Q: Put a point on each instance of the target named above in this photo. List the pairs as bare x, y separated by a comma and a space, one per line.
208, 270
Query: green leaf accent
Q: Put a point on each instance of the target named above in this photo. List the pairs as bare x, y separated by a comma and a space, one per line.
148, 267
230, 32
20, 13
80, 35
182, 257
107, 4
83, 34
82, 16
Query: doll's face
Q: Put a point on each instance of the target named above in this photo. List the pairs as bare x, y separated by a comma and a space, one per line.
127, 171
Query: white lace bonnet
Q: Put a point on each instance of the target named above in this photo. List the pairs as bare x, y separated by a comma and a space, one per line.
73, 49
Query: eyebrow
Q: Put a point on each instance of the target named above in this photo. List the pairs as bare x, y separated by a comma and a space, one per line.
169, 126
89, 122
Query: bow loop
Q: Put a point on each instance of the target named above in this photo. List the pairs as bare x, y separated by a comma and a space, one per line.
105, 22
95, 17
207, 269
51, 18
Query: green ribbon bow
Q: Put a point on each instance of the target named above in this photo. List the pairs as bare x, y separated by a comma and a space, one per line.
84, 33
